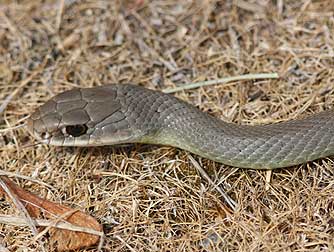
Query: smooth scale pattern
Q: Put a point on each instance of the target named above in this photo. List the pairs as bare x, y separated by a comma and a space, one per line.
123, 113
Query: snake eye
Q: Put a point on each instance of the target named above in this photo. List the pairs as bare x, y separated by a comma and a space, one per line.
76, 130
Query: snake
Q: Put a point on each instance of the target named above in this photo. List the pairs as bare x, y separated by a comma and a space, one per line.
117, 114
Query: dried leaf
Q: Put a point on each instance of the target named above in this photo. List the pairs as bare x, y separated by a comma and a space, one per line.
60, 239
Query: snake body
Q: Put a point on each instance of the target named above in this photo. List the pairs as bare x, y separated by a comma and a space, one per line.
122, 113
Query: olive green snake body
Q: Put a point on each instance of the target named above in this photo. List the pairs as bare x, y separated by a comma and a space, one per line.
123, 113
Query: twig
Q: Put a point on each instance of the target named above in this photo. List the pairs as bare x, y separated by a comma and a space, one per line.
13, 127
230, 202
222, 81
29, 221
16, 175
125, 243
268, 178
60, 14
19, 221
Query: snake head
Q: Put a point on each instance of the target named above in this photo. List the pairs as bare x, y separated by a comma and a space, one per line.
83, 117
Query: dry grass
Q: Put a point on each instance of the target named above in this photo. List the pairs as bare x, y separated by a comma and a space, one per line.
150, 198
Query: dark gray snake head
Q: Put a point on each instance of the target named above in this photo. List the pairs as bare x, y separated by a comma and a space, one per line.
84, 117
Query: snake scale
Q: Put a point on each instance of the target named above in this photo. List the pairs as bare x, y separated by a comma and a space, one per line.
124, 113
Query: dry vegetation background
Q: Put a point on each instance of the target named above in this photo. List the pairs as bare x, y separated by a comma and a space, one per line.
151, 198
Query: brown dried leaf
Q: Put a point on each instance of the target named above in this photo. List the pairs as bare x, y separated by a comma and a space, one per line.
60, 239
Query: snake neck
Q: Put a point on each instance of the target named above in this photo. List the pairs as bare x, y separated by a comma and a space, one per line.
163, 119
258, 147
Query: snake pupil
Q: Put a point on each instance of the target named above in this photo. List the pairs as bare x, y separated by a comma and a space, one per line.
76, 130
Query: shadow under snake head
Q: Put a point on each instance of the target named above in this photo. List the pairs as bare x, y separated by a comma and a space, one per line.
87, 117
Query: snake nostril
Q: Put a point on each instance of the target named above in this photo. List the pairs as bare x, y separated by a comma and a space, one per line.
44, 135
